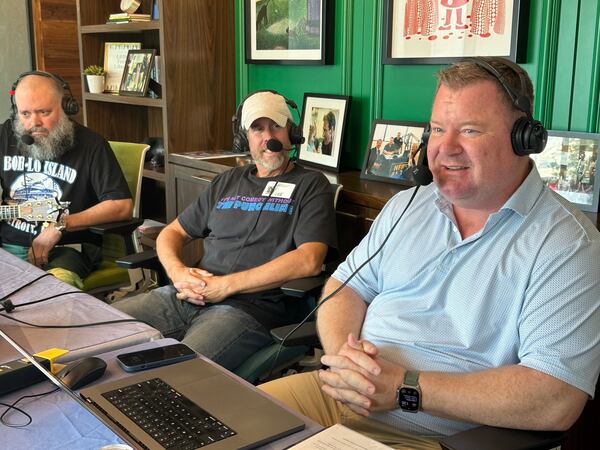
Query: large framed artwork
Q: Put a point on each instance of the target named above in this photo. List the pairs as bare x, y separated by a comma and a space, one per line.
568, 165
288, 32
443, 31
393, 149
324, 119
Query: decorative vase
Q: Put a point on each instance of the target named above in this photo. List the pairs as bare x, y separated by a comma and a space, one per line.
95, 83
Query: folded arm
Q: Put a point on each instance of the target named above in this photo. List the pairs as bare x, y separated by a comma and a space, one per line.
199, 286
511, 396
103, 212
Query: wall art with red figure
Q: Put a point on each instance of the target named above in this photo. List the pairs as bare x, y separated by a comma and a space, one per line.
450, 29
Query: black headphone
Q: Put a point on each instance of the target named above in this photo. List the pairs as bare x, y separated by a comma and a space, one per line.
240, 139
69, 104
528, 135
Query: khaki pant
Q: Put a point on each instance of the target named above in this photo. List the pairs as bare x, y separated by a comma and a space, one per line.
303, 393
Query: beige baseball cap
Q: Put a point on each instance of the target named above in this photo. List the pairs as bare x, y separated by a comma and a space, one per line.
265, 104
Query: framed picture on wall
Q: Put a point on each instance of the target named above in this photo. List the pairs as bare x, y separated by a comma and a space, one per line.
136, 74
324, 119
568, 165
285, 32
115, 56
443, 31
394, 147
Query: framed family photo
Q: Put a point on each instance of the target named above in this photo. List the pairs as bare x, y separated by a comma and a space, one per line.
324, 119
136, 74
115, 57
394, 147
444, 31
288, 32
568, 165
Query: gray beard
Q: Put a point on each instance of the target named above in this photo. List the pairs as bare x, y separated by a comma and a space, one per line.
59, 140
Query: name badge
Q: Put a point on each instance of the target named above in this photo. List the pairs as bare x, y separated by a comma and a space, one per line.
279, 189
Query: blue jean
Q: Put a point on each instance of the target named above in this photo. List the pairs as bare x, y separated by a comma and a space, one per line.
222, 333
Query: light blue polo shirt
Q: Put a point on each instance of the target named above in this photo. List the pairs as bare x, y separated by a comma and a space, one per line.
524, 290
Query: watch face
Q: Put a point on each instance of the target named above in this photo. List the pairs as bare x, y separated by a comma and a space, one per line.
408, 399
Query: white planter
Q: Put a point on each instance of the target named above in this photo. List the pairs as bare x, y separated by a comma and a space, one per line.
95, 83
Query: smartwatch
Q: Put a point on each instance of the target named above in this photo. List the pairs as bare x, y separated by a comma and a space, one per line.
409, 393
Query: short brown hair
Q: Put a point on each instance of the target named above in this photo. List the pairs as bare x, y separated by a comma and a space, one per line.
467, 73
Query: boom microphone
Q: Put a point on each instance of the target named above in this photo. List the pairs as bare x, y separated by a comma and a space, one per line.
27, 139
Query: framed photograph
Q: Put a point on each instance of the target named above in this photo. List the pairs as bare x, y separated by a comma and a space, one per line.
136, 74
394, 147
444, 31
324, 119
568, 165
115, 56
289, 32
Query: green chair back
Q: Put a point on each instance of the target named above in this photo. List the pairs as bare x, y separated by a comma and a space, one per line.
131, 158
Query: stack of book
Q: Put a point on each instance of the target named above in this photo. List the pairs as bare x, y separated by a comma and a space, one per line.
127, 18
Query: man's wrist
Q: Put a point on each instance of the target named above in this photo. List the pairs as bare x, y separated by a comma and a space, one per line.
61, 222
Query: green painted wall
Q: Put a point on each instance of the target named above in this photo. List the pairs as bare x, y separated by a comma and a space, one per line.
563, 60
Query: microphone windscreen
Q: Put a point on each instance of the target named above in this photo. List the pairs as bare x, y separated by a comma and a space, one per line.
27, 139
274, 145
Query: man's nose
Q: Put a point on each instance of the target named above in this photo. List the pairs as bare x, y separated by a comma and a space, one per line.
35, 120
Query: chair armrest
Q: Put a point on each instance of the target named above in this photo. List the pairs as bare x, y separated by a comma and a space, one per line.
305, 335
494, 438
304, 286
124, 227
144, 260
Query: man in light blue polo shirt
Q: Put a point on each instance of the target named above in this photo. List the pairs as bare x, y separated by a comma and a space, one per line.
483, 307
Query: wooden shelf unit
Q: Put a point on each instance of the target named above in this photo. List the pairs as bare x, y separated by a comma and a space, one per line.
196, 42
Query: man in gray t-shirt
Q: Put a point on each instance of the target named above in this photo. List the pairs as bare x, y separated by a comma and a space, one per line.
262, 225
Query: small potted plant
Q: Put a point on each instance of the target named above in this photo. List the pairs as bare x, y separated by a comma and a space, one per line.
95, 78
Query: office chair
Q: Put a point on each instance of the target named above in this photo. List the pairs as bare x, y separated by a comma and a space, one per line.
119, 237
261, 363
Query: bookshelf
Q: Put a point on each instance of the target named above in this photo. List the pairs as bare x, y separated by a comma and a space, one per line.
195, 40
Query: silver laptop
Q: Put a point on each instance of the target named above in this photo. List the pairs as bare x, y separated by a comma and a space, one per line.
244, 417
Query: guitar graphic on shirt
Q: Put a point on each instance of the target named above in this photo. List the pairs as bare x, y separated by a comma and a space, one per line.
42, 210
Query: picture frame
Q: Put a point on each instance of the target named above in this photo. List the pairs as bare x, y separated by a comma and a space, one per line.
569, 164
443, 31
324, 119
394, 147
115, 57
274, 34
136, 74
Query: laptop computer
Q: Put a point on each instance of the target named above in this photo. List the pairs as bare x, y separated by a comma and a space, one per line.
248, 418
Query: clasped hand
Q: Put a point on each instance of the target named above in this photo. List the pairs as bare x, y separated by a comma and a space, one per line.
199, 286
360, 379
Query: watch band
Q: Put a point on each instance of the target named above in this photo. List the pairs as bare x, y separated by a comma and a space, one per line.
411, 378
61, 223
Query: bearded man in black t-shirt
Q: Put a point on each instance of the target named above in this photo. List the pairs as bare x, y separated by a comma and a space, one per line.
263, 225
66, 162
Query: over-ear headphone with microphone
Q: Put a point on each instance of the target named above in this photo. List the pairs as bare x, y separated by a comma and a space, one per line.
528, 135
68, 103
420, 173
240, 139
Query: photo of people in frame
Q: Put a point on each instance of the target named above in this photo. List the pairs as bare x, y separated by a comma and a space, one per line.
137, 72
323, 127
568, 166
394, 147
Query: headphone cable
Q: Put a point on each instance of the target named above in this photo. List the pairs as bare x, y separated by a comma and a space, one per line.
343, 285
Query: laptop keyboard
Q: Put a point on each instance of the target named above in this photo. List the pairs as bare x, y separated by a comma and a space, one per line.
171, 419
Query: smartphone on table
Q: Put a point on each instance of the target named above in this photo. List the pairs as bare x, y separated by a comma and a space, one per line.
155, 357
